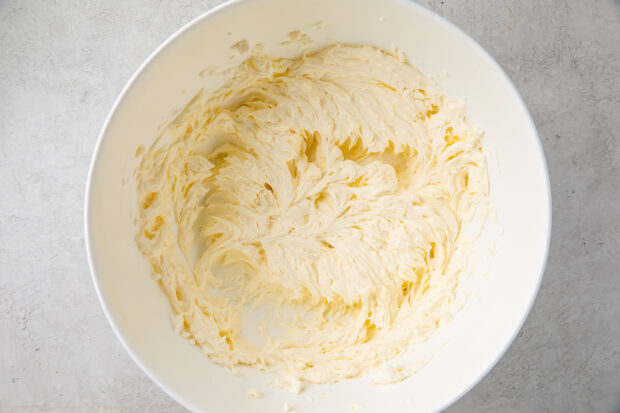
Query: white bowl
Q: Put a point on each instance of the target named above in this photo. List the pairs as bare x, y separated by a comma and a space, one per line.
137, 309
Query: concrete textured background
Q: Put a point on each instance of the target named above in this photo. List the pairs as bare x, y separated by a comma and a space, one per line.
62, 65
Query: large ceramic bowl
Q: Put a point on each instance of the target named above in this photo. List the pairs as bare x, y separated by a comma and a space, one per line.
136, 307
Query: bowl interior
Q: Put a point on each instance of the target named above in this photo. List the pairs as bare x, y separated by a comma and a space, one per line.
138, 310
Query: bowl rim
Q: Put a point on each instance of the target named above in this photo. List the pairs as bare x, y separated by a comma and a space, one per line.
205, 16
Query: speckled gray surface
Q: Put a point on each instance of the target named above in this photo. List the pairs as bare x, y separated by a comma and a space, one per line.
62, 64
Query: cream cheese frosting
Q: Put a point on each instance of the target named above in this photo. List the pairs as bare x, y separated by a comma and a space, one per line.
307, 217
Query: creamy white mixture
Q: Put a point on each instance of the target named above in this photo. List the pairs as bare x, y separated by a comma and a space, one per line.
307, 218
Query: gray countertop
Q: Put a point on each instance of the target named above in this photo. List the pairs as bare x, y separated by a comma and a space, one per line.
62, 65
